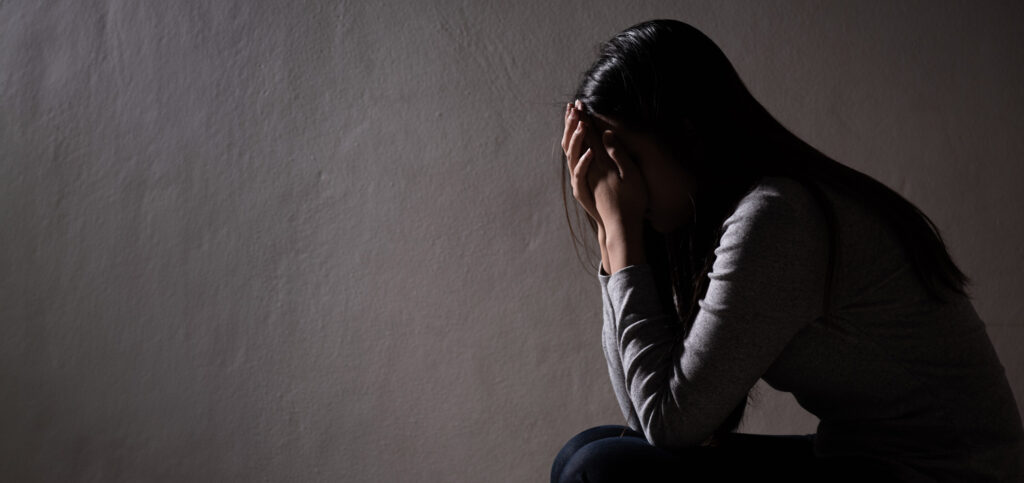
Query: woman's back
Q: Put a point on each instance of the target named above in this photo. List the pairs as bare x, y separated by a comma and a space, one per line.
891, 373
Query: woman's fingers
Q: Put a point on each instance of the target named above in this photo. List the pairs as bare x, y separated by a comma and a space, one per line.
613, 152
571, 118
577, 135
565, 131
580, 185
572, 152
581, 167
623, 164
582, 188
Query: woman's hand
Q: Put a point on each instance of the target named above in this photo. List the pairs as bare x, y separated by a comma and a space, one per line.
619, 189
572, 145
609, 186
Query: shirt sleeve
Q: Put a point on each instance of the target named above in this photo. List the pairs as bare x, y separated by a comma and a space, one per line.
613, 356
766, 284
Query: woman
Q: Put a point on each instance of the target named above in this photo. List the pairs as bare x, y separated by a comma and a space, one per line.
732, 251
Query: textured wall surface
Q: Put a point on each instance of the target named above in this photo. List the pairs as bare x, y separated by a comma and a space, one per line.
324, 241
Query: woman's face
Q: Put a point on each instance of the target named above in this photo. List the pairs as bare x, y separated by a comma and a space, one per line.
669, 186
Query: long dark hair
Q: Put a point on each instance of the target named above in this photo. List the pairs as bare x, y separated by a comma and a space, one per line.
667, 78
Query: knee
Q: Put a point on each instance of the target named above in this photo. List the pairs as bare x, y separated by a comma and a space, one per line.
581, 439
606, 454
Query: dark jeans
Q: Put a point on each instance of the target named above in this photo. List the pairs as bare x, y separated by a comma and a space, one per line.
616, 453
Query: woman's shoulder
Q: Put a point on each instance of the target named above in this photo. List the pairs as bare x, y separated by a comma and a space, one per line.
778, 218
780, 196
781, 187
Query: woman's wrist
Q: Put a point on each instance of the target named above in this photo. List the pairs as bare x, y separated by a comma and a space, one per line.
625, 246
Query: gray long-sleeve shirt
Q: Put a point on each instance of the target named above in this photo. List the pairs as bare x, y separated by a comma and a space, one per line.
891, 374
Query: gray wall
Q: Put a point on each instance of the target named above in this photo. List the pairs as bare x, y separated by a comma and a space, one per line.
245, 241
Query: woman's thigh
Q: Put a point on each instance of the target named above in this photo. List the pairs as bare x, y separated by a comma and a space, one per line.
616, 453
